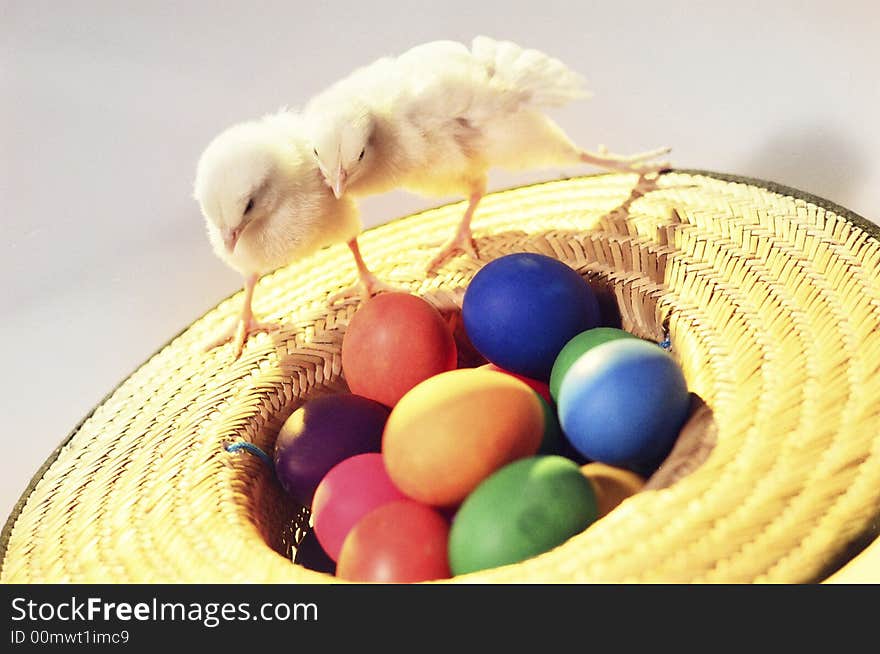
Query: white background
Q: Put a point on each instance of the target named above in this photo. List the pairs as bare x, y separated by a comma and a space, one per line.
106, 106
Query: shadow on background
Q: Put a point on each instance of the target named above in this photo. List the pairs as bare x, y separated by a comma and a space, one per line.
816, 158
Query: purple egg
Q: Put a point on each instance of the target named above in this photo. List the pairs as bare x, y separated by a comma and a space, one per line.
311, 555
320, 434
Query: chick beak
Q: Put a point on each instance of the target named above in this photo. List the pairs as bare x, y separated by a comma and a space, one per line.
339, 184
230, 238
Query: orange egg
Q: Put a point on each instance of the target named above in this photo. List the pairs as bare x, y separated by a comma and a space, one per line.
455, 429
612, 485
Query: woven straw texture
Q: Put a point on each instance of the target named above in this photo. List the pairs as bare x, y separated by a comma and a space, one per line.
771, 300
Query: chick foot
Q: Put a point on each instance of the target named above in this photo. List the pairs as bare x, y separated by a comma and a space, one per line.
368, 286
238, 332
463, 241
635, 163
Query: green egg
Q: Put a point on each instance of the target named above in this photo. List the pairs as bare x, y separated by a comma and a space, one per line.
553, 441
524, 509
575, 348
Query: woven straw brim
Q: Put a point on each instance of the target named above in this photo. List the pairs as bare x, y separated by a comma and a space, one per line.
771, 300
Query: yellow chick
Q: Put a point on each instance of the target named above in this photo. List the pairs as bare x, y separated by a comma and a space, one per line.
435, 119
265, 205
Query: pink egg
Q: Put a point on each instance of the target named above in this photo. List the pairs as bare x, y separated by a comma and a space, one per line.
349, 491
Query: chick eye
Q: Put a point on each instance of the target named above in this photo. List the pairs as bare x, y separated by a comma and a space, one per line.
249, 206
362, 154
315, 150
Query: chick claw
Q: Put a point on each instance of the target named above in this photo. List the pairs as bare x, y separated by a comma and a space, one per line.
647, 168
238, 333
634, 163
368, 286
463, 241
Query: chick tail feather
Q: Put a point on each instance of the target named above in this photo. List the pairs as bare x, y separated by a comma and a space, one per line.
537, 78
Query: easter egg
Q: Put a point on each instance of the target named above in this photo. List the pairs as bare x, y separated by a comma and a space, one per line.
623, 403
552, 441
453, 430
524, 509
521, 309
541, 388
576, 347
400, 542
310, 554
347, 493
320, 434
393, 342
611, 485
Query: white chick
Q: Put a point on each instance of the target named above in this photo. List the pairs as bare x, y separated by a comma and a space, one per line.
438, 117
265, 204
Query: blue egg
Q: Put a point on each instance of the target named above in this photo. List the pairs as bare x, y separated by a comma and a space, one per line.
520, 310
624, 403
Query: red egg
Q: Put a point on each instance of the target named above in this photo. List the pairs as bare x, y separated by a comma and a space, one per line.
395, 341
349, 491
538, 386
400, 542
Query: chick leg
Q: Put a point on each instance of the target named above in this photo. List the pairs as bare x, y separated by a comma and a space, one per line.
246, 325
463, 241
368, 284
634, 163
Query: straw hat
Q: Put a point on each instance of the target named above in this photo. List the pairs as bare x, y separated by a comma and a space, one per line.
771, 301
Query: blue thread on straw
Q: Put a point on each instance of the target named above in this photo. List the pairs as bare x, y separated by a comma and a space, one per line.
253, 449
666, 343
